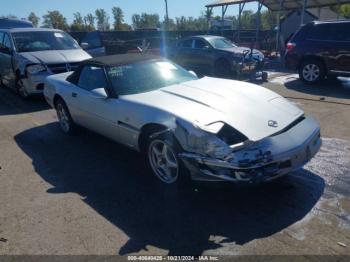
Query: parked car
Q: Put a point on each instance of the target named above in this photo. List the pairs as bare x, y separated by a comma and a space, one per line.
217, 129
319, 50
215, 55
7, 23
28, 55
99, 43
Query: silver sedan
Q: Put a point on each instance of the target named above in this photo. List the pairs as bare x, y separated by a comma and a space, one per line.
204, 129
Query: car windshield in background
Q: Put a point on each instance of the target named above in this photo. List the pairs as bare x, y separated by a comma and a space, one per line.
146, 76
43, 40
221, 43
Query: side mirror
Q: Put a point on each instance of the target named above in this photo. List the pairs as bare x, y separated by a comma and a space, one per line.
84, 45
99, 93
206, 48
193, 73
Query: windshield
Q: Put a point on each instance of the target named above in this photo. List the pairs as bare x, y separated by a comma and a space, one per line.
221, 43
146, 76
43, 40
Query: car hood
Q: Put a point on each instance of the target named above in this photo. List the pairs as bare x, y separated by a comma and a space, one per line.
245, 50
56, 56
247, 107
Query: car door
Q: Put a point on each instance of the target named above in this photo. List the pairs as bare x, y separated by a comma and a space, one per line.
91, 107
6, 60
202, 56
89, 104
183, 53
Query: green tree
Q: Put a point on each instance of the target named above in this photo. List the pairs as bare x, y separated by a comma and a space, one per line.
102, 20
34, 19
54, 19
78, 23
145, 20
248, 20
89, 21
268, 20
344, 10
118, 16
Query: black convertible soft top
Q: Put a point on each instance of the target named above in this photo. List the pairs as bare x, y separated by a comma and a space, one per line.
125, 59
112, 60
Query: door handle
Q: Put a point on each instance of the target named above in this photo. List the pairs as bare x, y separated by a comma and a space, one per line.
74, 94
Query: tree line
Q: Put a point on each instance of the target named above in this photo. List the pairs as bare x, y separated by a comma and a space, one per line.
100, 20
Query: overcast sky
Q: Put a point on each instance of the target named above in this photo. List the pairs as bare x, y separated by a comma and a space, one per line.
21, 8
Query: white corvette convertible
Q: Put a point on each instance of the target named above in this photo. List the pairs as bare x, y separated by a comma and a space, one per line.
214, 128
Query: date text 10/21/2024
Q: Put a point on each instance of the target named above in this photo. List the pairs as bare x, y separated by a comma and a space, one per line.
172, 258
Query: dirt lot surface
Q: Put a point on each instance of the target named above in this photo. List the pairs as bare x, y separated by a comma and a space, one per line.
87, 195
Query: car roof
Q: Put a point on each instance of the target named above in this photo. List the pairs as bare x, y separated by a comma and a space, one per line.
206, 37
123, 59
8, 23
341, 21
28, 29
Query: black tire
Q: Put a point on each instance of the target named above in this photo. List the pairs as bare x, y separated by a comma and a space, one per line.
223, 69
66, 122
20, 89
182, 173
264, 76
311, 71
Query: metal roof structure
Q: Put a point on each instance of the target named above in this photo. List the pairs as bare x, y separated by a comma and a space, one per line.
275, 5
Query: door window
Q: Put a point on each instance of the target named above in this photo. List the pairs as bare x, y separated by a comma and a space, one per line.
187, 43
200, 44
92, 77
7, 42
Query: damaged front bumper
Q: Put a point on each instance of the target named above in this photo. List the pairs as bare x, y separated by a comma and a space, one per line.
263, 161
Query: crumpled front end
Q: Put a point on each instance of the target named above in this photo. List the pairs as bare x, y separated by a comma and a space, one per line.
211, 159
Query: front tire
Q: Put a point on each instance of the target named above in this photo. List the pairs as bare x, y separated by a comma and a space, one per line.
162, 155
64, 118
311, 71
20, 88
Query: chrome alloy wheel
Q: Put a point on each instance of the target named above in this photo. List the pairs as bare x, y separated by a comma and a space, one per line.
311, 72
63, 117
163, 161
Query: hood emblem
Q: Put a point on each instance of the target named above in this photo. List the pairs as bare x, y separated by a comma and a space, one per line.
273, 123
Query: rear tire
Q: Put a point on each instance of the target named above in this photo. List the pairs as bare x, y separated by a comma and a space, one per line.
66, 122
311, 71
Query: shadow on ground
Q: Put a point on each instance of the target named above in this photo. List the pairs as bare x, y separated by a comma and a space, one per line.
337, 88
13, 104
113, 181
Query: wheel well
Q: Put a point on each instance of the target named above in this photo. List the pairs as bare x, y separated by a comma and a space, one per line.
311, 57
56, 98
146, 131
219, 60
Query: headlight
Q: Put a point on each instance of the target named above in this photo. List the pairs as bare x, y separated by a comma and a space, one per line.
34, 69
194, 139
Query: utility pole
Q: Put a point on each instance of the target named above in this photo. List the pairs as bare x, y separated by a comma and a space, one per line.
166, 13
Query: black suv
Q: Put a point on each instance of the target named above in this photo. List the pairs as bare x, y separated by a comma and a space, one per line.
319, 50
